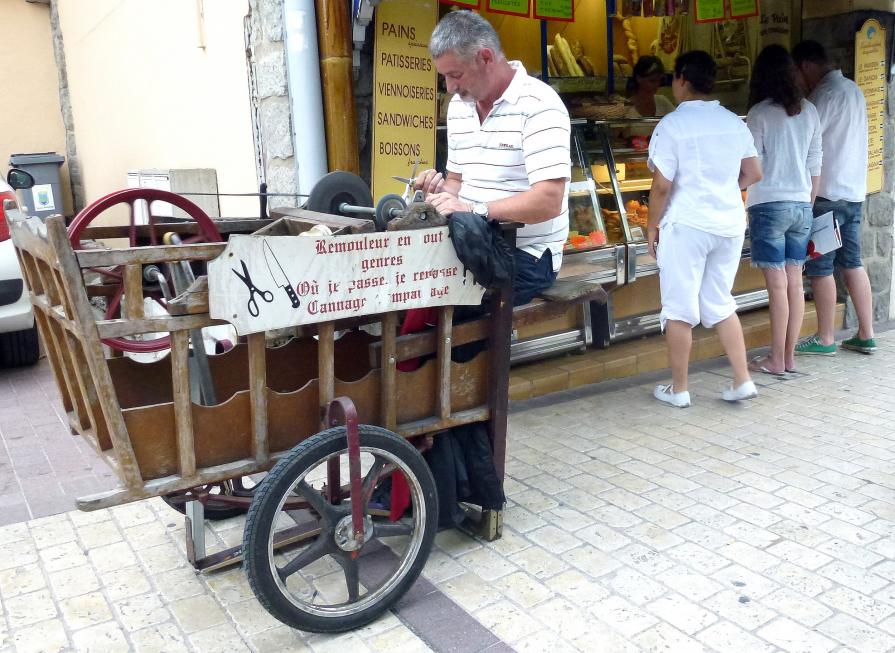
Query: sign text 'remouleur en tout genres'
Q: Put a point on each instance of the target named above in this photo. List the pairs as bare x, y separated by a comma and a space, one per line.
261, 283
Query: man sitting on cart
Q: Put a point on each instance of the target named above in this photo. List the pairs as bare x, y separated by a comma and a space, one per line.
508, 148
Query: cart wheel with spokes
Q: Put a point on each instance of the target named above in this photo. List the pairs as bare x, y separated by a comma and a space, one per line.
325, 580
206, 232
217, 507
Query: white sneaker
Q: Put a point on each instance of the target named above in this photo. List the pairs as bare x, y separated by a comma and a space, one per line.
745, 390
667, 394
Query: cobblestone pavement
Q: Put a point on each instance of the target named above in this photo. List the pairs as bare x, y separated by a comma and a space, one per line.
631, 526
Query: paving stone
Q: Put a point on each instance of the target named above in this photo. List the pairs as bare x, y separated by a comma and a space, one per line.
102, 638
725, 636
622, 616
21, 580
857, 604
44, 637
663, 637
161, 638
635, 587
509, 622
739, 608
857, 634
577, 587
790, 636
85, 610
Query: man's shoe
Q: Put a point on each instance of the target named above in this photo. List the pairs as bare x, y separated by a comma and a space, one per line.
667, 394
813, 347
857, 344
745, 390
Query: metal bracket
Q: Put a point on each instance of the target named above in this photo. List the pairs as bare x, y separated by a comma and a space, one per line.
361, 15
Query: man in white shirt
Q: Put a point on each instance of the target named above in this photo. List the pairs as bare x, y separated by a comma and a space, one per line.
842, 110
508, 148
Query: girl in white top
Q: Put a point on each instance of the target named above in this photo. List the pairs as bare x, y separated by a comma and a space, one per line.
787, 134
701, 156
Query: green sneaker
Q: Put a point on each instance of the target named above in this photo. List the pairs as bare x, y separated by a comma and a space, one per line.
813, 347
857, 344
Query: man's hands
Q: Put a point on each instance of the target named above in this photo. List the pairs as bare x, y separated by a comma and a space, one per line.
429, 181
441, 192
446, 204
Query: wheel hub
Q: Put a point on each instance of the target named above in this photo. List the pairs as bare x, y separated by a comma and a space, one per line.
344, 533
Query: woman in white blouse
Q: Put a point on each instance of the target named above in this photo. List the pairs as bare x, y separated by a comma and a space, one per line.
701, 155
787, 134
643, 90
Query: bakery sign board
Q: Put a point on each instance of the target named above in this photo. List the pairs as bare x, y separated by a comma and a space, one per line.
870, 75
404, 92
260, 283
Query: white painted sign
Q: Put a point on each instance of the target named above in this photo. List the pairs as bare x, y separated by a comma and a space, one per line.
261, 283
42, 196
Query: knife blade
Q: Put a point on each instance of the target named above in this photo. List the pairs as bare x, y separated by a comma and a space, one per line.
278, 275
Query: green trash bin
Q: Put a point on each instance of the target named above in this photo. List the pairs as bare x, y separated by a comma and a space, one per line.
45, 197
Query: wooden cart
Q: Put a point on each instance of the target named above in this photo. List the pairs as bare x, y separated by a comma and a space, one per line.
328, 415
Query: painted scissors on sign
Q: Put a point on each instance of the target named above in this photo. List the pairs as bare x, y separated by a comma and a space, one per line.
246, 278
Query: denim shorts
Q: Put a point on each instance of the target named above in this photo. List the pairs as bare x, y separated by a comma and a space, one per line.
779, 233
848, 215
532, 276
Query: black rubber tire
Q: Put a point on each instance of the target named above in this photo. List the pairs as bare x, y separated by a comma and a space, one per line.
19, 348
280, 479
337, 188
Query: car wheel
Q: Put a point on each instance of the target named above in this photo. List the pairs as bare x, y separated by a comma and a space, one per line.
19, 348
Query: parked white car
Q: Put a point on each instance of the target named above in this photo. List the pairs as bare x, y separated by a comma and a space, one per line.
18, 333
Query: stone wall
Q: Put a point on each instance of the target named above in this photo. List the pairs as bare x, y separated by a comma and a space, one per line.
837, 34
272, 118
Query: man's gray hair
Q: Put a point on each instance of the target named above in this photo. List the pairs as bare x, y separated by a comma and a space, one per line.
464, 33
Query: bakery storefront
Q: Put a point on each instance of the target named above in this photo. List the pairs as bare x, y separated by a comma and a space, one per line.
587, 50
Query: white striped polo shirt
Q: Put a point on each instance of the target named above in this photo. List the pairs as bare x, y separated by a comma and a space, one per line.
523, 140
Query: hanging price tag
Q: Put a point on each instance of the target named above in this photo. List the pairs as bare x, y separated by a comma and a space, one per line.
710, 11
743, 8
467, 4
554, 10
511, 7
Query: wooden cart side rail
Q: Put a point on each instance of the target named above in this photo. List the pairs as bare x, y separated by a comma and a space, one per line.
98, 258
184, 227
69, 328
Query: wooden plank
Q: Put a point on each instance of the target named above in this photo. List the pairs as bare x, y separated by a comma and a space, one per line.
118, 328
443, 361
258, 391
434, 424
99, 372
168, 484
499, 368
414, 345
57, 348
133, 291
100, 258
193, 300
144, 232
88, 391
183, 404
315, 217
326, 368
389, 411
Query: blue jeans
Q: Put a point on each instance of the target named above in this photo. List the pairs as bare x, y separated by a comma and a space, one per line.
848, 215
532, 276
779, 233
